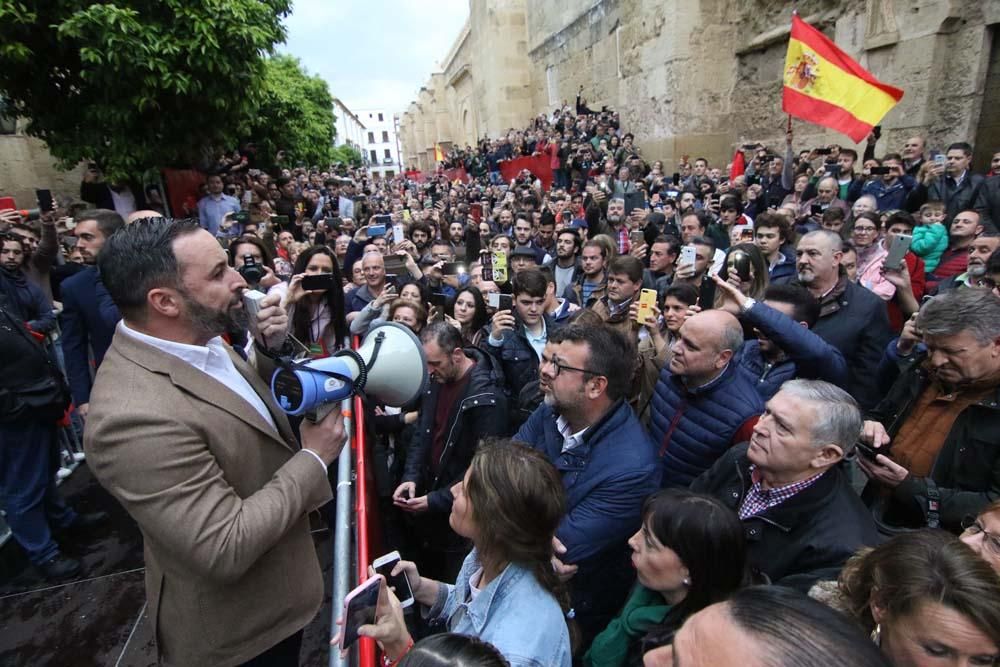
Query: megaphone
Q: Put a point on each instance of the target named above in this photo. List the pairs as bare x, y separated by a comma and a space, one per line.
390, 366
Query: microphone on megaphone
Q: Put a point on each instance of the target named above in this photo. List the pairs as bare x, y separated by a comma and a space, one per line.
390, 366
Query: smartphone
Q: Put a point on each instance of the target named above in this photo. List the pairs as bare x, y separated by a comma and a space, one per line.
941, 159
399, 584
398, 236
878, 171
495, 266
242, 217
741, 264
438, 299
376, 230
359, 609
636, 238
877, 132
868, 452
279, 220
317, 281
45, 203
823, 151
7, 203
816, 209
647, 299
391, 280
384, 219
898, 248
688, 255
676, 178
70, 226
453, 268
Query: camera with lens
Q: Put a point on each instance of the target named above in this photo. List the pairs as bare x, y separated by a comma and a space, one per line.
251, 271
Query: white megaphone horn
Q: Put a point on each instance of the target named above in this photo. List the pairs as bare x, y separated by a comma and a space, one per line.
390, 367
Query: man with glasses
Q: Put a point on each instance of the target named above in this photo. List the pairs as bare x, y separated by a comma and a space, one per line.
982, 534
936, 431
607, 462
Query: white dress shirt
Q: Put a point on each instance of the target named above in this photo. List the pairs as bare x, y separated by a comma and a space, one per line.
213, 360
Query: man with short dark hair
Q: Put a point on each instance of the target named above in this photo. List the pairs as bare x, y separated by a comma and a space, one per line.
463, 404
702, 403
565, 264
795, 502
776, 625
695, 224
187, 437
517, 338
591, 283
662, 258
213, 207
522, 238
624, 283
89, 315
953, 183
41, 248
890, 190
771, 235
785, 348
607, 462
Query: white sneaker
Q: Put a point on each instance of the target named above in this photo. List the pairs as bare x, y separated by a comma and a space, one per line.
63, 473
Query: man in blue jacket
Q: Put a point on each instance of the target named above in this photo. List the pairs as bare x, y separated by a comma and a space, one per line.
703, 402
785, 348
89, 315
607, 462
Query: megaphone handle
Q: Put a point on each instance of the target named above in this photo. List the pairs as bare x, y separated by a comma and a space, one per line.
320, 413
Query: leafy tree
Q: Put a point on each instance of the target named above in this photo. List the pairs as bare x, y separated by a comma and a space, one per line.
133, 84
296, 115
346, 155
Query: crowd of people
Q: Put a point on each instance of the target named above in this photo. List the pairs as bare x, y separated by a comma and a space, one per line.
709, 415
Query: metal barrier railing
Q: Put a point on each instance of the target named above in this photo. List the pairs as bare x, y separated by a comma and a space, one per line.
353, 546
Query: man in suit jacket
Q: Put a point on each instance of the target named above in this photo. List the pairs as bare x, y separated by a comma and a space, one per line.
89, 315
186, 436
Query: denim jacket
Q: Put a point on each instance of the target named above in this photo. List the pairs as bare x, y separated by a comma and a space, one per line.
514, 613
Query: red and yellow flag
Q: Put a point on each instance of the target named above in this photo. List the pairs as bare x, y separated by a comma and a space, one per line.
824, 85
438, 153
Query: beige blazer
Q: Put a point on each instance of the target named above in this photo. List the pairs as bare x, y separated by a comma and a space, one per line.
221, 498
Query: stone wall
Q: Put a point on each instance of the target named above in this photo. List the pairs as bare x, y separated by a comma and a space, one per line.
700, 77
26, 165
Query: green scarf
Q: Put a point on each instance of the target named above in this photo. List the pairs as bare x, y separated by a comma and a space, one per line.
643, 609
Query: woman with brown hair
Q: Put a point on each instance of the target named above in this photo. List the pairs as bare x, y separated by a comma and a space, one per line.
982, 534
509, 505
927, 600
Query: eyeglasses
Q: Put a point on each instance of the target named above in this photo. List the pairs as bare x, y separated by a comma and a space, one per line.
562, 367
972, 526
865, 230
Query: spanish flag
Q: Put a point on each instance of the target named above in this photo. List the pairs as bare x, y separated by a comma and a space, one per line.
824, 85
438, 153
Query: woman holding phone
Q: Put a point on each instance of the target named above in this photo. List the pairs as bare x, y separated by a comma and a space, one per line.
317, 315
509, 504
467, 313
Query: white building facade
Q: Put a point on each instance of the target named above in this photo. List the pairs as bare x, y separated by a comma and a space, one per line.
381, 147
350, 129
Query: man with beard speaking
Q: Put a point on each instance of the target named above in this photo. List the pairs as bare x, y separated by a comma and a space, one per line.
185, 434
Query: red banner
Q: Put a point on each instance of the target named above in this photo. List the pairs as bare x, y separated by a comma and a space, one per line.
539, 166
457, 174
183, 191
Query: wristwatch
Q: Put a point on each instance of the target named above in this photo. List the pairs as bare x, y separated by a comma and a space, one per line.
747, 304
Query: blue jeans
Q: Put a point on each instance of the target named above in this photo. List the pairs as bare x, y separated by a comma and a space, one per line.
29, 458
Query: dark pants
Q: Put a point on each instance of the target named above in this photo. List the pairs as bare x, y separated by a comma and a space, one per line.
29, 458
283, 654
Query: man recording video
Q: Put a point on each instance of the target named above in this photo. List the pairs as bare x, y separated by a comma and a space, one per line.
186, 436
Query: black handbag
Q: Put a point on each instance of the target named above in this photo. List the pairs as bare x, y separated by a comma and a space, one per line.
44, 398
